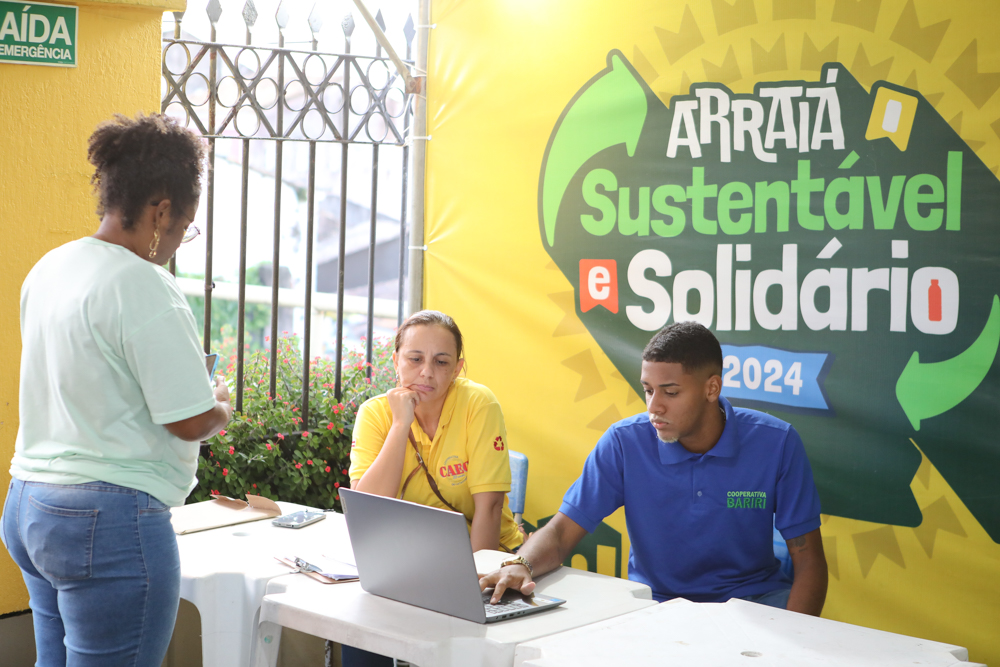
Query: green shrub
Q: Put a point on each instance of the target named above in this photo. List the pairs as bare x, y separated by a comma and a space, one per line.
267, 450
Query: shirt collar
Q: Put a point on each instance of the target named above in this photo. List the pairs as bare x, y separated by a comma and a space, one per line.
447, 411
727, 446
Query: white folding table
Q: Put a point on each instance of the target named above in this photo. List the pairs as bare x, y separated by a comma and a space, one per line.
737, 633
346, 614
224, 573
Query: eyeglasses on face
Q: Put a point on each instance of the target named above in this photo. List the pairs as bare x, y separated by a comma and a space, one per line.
190, 234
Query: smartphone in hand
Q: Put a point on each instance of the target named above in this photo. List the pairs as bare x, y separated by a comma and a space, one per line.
211, 363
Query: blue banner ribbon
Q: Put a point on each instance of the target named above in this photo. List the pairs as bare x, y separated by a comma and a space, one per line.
769, 375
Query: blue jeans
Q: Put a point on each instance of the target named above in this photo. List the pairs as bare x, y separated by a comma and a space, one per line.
102, 569
776, 598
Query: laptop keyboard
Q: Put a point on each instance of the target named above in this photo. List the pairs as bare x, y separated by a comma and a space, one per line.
504, 606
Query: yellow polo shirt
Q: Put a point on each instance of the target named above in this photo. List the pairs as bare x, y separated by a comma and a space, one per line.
467, 455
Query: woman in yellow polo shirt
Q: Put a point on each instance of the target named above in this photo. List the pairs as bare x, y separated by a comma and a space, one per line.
437, 439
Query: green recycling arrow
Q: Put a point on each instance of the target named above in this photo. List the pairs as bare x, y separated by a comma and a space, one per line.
928, 390
608, 111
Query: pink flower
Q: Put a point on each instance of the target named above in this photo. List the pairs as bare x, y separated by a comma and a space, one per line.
329, 427
298, 465
225, 471
344, 471
232, 450
327, 468
268, 446
305, 434
281, 437
336, 485
223, 432
309, 461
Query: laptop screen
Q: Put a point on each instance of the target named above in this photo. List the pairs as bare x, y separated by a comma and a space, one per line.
414, 554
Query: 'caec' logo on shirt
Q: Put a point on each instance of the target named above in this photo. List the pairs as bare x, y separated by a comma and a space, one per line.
498, 443
453, 470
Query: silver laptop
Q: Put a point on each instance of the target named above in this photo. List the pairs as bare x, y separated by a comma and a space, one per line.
422, 556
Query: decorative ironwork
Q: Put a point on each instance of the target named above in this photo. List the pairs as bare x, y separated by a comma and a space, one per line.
248, 91
270, 92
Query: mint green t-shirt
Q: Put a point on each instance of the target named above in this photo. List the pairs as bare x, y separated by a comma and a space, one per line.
109, 353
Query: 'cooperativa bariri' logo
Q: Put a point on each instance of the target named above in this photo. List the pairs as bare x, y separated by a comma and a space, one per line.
746, 500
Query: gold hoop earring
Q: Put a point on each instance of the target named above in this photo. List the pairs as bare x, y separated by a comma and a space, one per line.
155, 243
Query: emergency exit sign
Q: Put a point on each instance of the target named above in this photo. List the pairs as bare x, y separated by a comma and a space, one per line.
35, 33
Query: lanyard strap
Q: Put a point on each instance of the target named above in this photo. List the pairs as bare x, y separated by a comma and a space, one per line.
430, 478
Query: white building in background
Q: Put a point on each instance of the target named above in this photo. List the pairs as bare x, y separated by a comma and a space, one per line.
294, 210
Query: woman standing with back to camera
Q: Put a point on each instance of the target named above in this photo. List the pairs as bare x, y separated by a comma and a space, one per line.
114, 398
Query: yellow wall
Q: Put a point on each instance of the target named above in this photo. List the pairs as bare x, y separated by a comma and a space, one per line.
46, 115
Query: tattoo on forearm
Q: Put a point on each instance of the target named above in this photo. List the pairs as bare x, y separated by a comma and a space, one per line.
797, 542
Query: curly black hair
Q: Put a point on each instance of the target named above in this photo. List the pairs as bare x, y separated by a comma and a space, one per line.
686, 343
139, 160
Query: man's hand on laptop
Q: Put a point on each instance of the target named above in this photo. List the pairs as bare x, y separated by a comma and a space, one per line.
511, 576
544, 552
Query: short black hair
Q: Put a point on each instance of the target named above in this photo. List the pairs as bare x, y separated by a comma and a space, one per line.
689, 344
137, 160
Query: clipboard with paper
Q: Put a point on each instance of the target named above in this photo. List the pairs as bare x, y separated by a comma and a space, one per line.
321, 568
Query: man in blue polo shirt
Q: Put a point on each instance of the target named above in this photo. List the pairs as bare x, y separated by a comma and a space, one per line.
702, 484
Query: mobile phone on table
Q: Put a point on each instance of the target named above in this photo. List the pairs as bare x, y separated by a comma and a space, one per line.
298, 519
211, 363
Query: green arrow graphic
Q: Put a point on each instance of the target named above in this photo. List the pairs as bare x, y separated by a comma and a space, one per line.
608, 111
927, 390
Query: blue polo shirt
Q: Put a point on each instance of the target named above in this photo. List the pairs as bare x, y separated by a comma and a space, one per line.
701, 524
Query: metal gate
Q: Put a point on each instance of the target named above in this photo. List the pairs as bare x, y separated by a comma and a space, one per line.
255, 104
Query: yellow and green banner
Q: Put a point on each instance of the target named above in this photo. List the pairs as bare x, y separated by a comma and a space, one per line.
814, 180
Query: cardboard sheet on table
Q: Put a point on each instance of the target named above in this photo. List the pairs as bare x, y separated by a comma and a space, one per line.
222, 511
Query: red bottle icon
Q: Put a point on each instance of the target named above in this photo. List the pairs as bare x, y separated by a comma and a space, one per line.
934, 301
